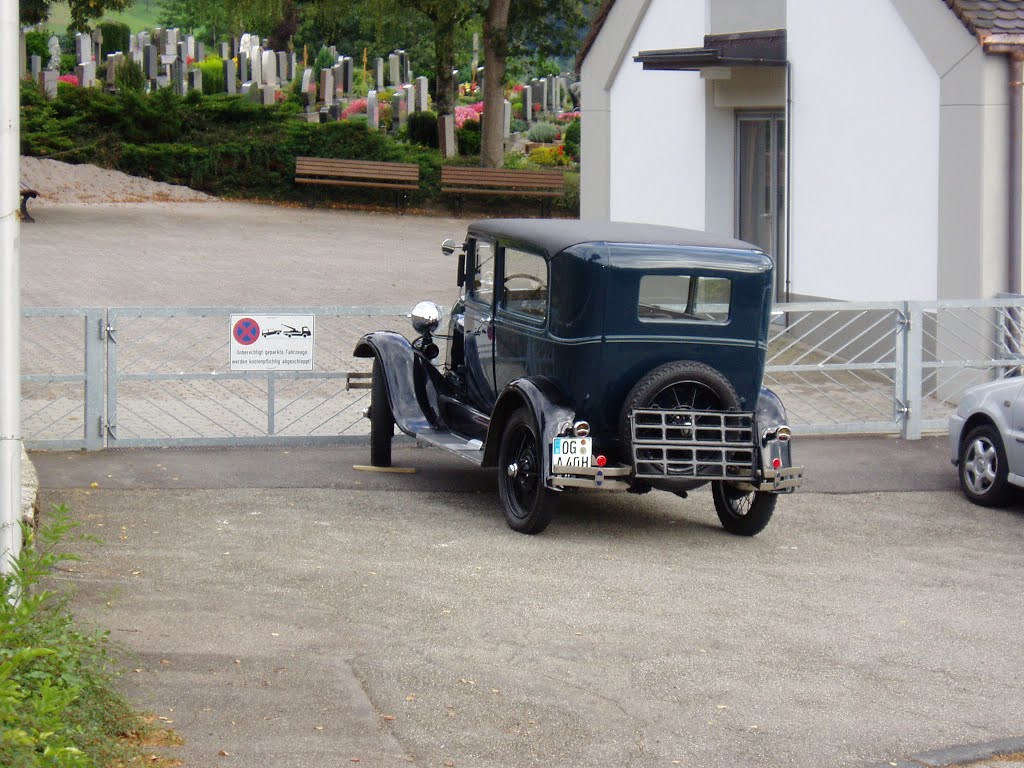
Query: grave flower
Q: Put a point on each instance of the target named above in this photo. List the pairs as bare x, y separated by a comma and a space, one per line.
356, 107
69, 79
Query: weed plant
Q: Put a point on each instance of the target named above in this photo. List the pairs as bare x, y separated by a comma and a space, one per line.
58, 705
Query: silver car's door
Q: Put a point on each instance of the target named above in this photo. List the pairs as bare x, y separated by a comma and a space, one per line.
479, 324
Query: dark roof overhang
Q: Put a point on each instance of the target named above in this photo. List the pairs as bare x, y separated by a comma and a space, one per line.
765, 48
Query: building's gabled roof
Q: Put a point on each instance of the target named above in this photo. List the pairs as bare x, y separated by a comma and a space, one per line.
990, 19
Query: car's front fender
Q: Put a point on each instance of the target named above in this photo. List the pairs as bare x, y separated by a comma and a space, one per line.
413, 383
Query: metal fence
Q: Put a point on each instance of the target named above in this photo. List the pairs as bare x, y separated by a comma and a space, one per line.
107, 377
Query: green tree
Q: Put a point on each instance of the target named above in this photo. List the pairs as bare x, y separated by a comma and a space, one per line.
33, 12
85, 11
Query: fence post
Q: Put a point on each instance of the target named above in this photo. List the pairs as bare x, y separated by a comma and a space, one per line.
912, 377
95, 354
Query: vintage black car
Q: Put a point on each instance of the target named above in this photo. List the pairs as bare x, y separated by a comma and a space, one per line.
595, 355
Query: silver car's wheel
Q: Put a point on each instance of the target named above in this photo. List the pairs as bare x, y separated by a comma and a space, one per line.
983, 466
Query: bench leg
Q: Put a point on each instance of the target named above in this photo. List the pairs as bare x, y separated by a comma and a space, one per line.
24, 210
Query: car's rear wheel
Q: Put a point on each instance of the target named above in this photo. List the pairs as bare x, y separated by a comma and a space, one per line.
382, 422
525, 500
983, 467
744, 513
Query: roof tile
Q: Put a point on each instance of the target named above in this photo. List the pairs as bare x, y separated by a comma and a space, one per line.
986, 17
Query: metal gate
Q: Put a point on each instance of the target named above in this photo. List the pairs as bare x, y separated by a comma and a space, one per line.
108, 377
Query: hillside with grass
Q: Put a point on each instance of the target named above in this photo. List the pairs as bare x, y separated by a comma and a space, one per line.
143, 14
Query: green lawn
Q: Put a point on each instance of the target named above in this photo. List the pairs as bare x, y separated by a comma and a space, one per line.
141, 15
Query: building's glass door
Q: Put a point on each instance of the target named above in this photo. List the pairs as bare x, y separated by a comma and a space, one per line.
761, 187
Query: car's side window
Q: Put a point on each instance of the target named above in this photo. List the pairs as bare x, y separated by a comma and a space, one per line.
684, 297
525, 283
483, 271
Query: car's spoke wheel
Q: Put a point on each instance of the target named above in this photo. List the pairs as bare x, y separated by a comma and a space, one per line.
521, 475
983, 467
744, 513
382, 422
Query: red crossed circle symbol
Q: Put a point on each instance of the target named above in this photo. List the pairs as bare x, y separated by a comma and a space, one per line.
246, 331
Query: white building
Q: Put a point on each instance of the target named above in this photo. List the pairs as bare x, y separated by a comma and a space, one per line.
867, 145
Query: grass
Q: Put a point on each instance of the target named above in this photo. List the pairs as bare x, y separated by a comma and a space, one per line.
143, 14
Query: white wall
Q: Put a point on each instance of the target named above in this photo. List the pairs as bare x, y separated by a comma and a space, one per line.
656, 162
865, 154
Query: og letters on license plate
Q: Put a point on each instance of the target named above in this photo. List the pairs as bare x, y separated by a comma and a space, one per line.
571, 452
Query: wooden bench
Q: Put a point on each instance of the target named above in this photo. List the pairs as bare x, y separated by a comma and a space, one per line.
461, 181
26, 193
400, 177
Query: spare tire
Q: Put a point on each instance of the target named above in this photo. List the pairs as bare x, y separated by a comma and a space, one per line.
681, 384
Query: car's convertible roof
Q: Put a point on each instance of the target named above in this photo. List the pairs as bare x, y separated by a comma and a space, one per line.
555, 235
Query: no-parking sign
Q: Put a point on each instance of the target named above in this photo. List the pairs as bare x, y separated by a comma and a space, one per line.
271, 342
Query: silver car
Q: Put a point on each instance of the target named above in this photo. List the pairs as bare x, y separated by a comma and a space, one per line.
986, 436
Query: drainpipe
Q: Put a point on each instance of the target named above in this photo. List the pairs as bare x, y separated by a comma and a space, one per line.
1016, 60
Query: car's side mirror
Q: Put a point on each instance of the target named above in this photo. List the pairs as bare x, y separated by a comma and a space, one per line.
449, 246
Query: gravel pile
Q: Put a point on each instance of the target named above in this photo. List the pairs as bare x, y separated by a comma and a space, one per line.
65, 184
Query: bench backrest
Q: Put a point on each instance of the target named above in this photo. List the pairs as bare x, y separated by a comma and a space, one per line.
502, 178
356, 169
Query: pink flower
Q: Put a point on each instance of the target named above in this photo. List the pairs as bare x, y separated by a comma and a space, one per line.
356, 107
468, 114
69, 79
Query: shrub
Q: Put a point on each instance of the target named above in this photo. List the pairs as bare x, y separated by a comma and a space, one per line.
213, 74
323, 60
423, 129
115, 37
549, 156
36, 41
67, 63
130, 77
468, 138
518, 126
543, 133
572, 140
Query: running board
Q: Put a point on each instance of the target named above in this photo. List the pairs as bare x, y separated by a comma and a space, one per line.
470, 450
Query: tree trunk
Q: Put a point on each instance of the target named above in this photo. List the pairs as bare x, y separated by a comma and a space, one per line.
444, 63
492, 146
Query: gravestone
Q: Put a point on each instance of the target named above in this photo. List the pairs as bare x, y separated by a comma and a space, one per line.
455, 86
393, 72
256, 64
190, 47
544, 98
23, 56
269, 68
36, 66
243, 67
378, 72
53, 46
48, 82
269, 94
161, 81
83, 47
538, 94
409, 94
528, 103
178, 77
338, 73
97, 45
282, 67
334, 111
225, 51
150, 65
114, 60
195, 79
506, 131
86, 72
446, 136
372, 111
422, 95
327, 95
170, 47
308, 96
403, 65
397, 118
182, 51
200, 51
230, 73
293, 66
348, 75
253, 91
480, 81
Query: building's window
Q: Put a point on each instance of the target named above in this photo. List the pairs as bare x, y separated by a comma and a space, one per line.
525, 284
684, 297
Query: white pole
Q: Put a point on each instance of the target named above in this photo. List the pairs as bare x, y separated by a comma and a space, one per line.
10, 298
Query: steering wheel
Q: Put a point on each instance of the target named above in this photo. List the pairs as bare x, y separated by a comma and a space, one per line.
538, 282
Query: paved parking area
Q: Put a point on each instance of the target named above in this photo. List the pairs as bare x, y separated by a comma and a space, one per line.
321, 615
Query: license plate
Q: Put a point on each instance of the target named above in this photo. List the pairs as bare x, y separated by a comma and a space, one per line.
571, 451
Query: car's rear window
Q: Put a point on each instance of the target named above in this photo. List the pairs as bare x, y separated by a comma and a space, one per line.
685, 298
